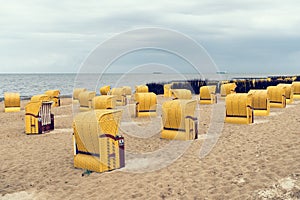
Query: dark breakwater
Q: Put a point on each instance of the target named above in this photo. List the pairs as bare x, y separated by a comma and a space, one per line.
192, 85
243, 84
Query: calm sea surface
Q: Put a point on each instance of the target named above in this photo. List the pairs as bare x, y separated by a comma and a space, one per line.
32, 84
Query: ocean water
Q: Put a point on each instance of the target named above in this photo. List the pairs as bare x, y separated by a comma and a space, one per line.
32, 84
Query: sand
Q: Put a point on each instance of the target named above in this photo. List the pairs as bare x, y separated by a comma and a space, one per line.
258, 161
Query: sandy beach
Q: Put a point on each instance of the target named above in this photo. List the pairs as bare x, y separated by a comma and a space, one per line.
258, 161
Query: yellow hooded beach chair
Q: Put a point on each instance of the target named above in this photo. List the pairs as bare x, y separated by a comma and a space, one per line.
179, 120
54, 96
226, 89
120, 94
97, 145
167, 90
76, 93
208, 95
145, 104
261, 102
128, 91
239, 108
289, 92
40, 97
277, 96
141, 89
296, 86
181, 94
105, 90
12, 102
104, 102
85, 100
38, 117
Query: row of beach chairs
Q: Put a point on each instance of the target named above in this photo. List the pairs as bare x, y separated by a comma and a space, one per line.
86, 98
38, 116
12, 100
242, 107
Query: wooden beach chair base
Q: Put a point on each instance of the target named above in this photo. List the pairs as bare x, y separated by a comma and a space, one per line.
12, 109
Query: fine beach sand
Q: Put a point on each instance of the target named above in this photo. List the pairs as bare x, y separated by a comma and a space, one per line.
258, 161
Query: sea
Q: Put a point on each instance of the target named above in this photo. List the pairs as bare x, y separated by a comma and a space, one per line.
32, 84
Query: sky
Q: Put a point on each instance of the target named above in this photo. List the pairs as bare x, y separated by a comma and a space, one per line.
256, 36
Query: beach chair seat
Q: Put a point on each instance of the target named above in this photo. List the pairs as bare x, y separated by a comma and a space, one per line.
12, 102
167, 90
181, 94
104, 102
146, 104
261, 102
105, 90
296, 86
226, 89
277, 96
54, 96
119, 93
239, 108
289, 92
208, 95
179, 120
85, 100
40, 97
141, 89
38, 117
97, 144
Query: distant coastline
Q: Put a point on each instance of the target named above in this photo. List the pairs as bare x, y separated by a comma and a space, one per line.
221, 72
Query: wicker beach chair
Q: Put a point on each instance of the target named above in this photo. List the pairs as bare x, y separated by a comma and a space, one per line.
179, 120
296, 86
146, 104
54, 96
85, 100
277, 97
226, 89
105, 90
128, 91
141, 89
167, 90
208, 95
181, 94
76, 93
239, 108
40, 97
289, 92
261, 102
97, 145
12, 102
38, 117
119, 93
104, 102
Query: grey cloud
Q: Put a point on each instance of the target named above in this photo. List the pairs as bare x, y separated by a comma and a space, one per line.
256, 55
241, 36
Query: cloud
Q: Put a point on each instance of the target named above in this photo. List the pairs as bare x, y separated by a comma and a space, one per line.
43, 36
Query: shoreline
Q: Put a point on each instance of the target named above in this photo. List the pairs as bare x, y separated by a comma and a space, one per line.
67, 92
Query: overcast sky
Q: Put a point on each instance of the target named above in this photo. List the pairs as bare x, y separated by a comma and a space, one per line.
256, 36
